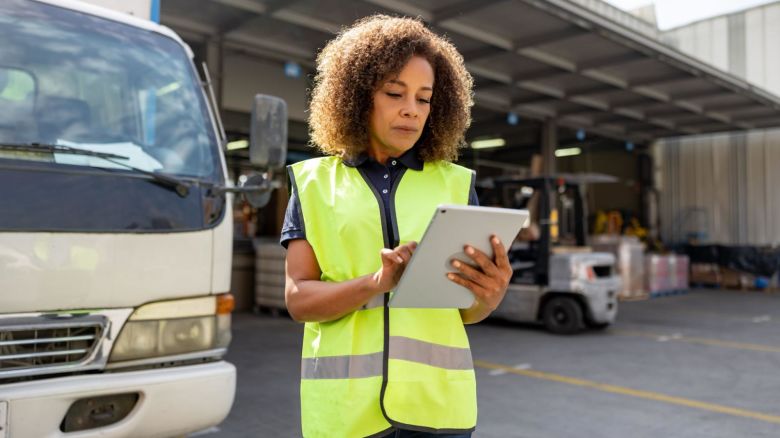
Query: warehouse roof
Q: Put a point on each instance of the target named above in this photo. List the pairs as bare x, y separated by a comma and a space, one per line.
539, 58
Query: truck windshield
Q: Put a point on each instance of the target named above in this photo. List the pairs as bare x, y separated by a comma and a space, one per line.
78, 80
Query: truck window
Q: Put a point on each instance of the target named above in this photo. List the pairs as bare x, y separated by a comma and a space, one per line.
103, 86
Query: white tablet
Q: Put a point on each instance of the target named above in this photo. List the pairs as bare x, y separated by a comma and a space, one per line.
424, 283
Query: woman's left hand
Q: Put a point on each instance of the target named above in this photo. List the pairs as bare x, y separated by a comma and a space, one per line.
488, 283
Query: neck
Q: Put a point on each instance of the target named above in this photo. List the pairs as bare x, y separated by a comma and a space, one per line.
380, 155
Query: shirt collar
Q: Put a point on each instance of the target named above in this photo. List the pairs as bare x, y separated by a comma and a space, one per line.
410, 159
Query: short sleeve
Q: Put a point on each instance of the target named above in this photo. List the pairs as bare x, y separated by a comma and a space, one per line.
293, 221
473, 198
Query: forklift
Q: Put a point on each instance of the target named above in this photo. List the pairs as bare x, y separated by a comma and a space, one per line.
556, 280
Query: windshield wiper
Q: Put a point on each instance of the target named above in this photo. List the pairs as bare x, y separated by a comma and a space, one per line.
168, 181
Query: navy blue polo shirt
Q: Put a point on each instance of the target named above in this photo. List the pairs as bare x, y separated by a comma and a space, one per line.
381, 176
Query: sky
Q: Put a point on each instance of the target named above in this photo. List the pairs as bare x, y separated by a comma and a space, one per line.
673, 13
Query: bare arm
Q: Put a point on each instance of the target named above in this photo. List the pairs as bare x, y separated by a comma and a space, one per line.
311, 300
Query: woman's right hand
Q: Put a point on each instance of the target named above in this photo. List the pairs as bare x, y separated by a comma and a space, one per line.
393, 264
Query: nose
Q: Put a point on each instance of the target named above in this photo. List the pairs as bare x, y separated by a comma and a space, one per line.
409, 109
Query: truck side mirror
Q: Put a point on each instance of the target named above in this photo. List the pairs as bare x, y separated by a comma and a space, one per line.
268, 132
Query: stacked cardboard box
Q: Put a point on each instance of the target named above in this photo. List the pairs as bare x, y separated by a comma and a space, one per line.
705, 274
666, 273
630, 256
269, 274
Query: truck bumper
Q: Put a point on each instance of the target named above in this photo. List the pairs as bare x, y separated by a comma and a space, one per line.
172, 401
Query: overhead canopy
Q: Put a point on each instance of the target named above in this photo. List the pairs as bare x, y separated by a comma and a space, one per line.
543, 59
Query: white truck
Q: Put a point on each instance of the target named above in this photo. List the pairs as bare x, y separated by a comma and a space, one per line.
115, 226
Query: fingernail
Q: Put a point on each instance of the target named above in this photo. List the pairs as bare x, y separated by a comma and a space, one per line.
451, 276
495, 240
469, 250
456, 263
400, 260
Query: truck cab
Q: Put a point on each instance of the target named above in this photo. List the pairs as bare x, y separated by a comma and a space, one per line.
116, 227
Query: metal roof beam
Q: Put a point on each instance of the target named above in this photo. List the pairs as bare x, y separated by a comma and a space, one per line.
754, 117
234, 25
546, 74
191, 26
592, 89
769, 121
533, 102
609, 61
731, 106
659, 80
548, 38
459, 9
404, 8
481, 52
244, 5
254, 8
307, 21
687, 95
272, 6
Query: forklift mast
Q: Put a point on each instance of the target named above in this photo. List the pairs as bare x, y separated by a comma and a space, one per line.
565, 196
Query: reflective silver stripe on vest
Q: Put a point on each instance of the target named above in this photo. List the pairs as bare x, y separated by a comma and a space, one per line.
342, 367
376, 301
413, 350
370, 365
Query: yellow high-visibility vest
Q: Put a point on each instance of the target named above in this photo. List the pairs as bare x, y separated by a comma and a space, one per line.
380, 367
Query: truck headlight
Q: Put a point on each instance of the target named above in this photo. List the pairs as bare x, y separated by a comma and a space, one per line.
168, 328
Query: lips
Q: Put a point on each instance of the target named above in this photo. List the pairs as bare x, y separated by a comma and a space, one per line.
406, 129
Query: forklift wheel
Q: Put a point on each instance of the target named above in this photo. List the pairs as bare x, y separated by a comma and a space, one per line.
563, 316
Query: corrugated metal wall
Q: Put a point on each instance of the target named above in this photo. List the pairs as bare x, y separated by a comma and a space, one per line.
725, 186
620, 16
744, 43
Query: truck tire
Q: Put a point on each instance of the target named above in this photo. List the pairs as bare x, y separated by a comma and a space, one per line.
563, 316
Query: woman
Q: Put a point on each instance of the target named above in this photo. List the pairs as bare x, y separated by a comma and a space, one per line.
390, 105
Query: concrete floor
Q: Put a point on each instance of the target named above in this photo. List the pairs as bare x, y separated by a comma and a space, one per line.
704, 364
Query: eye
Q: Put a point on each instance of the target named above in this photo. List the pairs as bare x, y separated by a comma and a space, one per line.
425, 101
393, 95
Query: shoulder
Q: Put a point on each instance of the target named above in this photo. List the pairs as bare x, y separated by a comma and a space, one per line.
315, 163
313, 167
448, 167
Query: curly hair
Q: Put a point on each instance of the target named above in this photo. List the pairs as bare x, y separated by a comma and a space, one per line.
360, 59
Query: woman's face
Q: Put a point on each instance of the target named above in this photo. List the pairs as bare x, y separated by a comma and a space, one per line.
401, 107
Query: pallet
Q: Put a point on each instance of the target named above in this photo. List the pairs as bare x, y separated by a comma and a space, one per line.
635, 297
668, 293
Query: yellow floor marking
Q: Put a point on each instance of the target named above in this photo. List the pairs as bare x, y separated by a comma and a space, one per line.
648, 395
703, 341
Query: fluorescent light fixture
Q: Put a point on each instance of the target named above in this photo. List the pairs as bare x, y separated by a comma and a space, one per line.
238, 144
568, 152
488, 143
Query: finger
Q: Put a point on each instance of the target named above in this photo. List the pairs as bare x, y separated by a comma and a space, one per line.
470, 272
502, 260
390, 256
476, 289
404, 252
482, 260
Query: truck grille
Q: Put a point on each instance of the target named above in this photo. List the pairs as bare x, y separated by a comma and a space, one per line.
37, 345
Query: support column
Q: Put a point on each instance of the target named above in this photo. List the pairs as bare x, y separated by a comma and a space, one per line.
549, 144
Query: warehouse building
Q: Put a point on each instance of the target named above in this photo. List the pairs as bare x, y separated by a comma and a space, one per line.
580, 85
